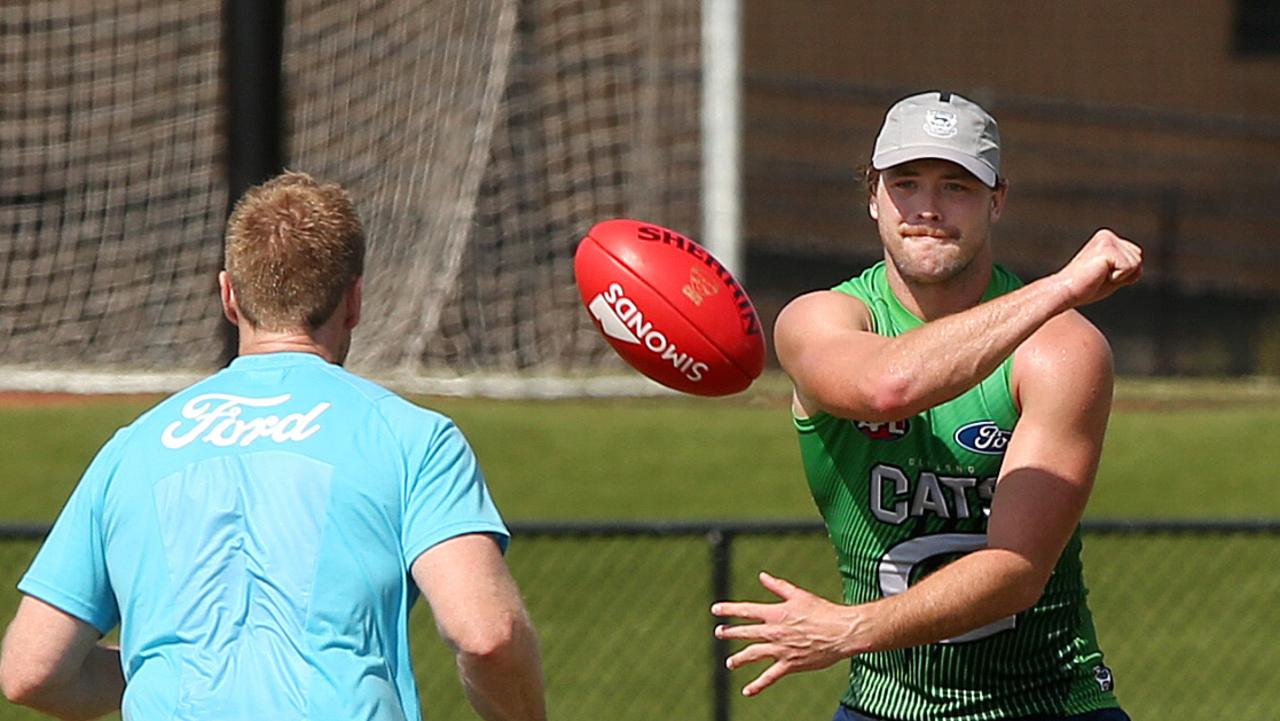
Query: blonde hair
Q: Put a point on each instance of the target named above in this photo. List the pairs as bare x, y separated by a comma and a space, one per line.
293, 248
871, 179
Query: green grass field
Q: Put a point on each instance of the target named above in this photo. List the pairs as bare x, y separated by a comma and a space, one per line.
623, 621
1190, 449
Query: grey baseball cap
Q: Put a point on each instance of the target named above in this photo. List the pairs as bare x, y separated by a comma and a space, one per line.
939, 124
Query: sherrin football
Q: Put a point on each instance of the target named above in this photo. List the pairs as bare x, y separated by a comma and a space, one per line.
669, 308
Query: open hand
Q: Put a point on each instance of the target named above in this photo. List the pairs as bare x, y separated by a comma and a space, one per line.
803, 632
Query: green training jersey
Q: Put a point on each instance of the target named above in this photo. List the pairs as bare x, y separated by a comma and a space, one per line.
902, 498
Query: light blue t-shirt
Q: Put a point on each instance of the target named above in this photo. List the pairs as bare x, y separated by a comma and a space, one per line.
253, 536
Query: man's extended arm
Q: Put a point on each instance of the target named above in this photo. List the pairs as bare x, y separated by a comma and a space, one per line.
478, 610
824, 343
52, 662
1063, 379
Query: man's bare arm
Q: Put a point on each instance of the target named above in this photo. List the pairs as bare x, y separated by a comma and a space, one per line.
1064, 379
825, 344
479, 613
52, 662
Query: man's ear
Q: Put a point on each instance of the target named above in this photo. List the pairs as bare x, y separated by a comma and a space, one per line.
998, 198
230, 308
873, 207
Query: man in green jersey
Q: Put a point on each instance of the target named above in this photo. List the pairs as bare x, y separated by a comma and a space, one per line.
950, 421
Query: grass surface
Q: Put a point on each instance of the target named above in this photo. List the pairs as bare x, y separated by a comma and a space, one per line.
624, 623
1190, 449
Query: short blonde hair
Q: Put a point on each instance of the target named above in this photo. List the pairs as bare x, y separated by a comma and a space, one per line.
293, 248
871, 179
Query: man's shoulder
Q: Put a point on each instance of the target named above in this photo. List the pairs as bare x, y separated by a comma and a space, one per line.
402, 415
1066, 352
855, 292
1069, 331
825, 310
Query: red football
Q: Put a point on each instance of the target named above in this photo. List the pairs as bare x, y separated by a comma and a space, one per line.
669, 308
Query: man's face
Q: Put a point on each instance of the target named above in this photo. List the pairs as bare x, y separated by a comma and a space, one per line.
934, 218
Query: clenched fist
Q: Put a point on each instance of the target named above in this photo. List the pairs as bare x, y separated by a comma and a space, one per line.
1104, 265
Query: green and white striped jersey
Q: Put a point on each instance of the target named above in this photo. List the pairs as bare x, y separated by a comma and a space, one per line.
900, 499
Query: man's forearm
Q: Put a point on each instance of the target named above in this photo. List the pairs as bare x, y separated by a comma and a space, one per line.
941, 359
975, 590
506, 685
804, 632
95, 689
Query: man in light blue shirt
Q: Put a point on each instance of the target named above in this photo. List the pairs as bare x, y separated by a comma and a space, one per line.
261, 536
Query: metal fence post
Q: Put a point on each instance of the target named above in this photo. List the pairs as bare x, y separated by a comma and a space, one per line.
721, 541
253, 51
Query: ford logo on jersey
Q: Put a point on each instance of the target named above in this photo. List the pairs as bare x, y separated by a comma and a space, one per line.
983, 437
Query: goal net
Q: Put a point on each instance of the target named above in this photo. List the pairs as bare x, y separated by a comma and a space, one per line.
480, 141
111, 191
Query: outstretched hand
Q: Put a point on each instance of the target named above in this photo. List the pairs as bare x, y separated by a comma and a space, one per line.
803, 632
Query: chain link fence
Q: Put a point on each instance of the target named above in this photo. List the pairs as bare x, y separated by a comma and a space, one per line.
1185, 611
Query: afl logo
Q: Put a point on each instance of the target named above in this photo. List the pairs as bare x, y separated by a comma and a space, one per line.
890, 431
983, 437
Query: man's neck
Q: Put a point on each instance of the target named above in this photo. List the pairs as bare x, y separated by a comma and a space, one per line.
258, 342
930, 301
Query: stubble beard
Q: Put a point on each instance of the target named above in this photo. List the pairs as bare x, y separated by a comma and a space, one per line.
930, 270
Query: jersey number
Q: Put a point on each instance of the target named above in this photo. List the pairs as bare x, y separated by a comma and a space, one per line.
898, 562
